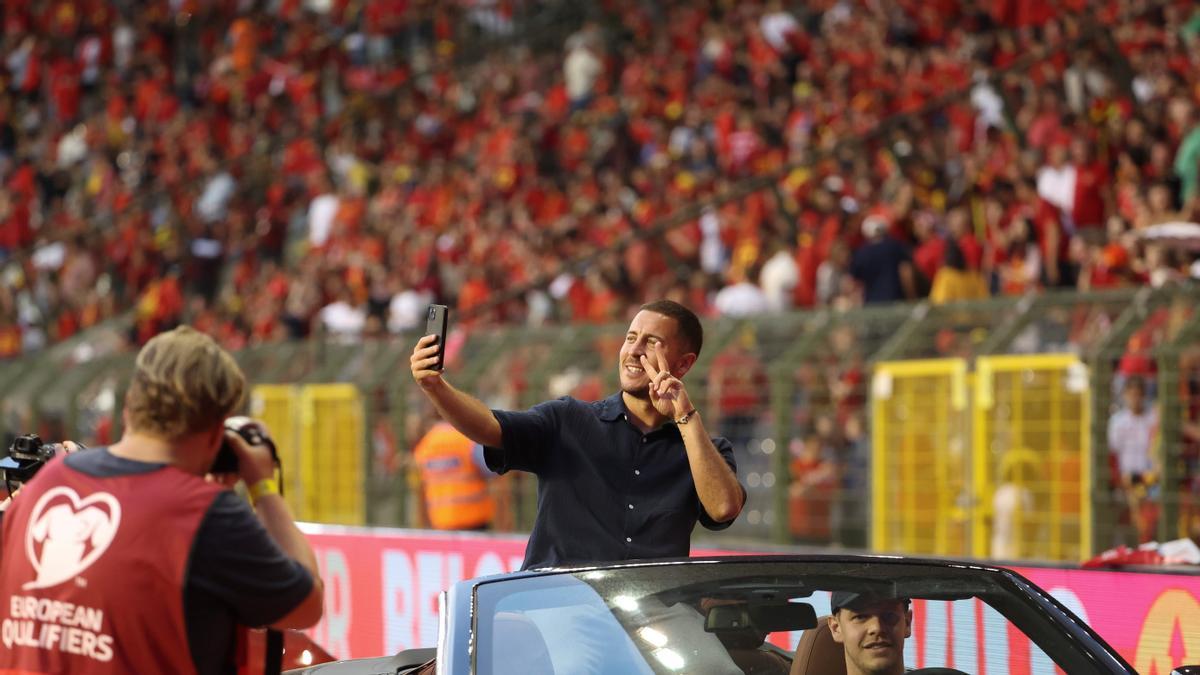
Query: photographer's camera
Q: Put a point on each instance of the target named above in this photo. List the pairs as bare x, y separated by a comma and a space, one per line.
26, 456
251, 431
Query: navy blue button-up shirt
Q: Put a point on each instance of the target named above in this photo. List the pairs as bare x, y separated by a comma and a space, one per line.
605, 491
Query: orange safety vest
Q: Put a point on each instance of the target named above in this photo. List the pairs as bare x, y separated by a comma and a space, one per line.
456, 495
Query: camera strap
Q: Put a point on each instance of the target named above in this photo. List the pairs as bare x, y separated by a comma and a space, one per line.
273, 660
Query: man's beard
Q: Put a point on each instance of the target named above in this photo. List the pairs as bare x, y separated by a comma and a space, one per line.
639, 391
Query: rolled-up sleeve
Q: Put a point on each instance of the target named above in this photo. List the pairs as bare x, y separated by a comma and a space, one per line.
526, 437
726, 449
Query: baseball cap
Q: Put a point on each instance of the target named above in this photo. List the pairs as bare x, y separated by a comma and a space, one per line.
852, 600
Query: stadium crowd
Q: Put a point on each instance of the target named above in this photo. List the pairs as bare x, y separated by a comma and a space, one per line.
262, 170
266, 170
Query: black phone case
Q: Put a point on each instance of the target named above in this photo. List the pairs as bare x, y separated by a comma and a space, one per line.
438, 318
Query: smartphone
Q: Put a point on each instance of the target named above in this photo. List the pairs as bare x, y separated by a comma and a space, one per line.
435, 324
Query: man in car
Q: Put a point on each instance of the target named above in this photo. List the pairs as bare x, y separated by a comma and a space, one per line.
625, 477
871, 629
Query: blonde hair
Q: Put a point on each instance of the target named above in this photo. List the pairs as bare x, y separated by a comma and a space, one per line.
183, 382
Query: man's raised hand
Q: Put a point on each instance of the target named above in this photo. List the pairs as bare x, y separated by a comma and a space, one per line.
423, 360
667, 394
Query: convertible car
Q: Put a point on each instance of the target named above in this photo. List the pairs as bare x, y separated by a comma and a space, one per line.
744, 615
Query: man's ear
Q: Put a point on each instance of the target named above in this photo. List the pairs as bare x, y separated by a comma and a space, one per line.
214, 436
908, 622
685, 364
835, 628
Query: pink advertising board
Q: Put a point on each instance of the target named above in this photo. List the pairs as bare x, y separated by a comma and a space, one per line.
382, 589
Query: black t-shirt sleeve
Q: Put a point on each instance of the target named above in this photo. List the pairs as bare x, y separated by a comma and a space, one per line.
526, 437
858, 264
726, 449
236, 564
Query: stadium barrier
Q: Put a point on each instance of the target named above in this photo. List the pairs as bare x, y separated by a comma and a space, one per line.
802, 396
278, 407
921, 458
1032, 460
994, 463
312, 424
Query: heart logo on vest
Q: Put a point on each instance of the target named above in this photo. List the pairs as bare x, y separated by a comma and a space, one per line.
66, 534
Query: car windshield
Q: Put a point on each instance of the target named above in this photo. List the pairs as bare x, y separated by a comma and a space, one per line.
752, 617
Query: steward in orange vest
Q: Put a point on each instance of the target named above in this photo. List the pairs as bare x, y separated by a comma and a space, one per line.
454, 480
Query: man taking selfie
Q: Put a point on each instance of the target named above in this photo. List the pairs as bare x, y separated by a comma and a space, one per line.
625, 477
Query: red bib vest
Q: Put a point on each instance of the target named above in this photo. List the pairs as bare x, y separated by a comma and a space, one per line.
92, 572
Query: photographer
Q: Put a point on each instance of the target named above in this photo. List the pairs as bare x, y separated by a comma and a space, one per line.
127, 560
622, 478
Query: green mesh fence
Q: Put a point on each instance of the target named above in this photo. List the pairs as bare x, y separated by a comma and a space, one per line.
792, 392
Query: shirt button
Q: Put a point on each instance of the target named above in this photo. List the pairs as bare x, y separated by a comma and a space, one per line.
643, 439
631, 506
628, 540
637, 472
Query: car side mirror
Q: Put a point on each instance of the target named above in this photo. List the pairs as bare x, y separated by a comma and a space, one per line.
1186, 670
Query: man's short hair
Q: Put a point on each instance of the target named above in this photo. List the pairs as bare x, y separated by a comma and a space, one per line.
183, 382
854, 600
686, 319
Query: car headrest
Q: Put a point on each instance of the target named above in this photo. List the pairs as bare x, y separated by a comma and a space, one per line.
817, 653
518, 647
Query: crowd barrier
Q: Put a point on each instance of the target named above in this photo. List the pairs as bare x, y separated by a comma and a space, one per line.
382, 591
991, 463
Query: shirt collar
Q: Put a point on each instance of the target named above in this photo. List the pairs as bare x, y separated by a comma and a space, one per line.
611, 408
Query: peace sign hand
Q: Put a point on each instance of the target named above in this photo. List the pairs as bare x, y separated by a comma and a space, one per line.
667, 394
